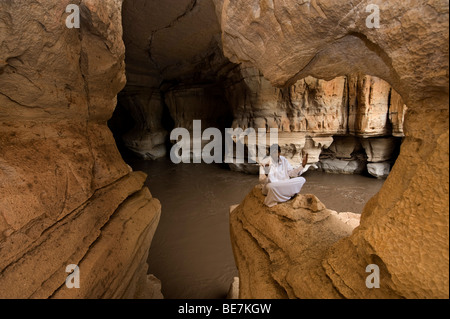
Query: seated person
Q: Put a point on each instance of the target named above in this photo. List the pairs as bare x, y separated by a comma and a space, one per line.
283, 181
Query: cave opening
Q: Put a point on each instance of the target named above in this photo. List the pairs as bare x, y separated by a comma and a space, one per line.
351, 126
70, 203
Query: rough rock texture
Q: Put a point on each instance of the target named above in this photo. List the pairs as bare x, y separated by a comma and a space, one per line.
350, 155
404, 229
176, 52
279, 250
379, 149
369, 109
173, 51
397, 113
170, 40
314, 110
310, 105
338, 166
345, 156
66, 196
205, 103
344, 147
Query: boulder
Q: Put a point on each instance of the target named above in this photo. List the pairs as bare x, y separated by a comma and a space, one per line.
380, 149
379, 170
279, 250
337, 166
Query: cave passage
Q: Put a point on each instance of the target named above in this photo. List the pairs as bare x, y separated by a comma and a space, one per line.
191, 251
368, 103
176, 71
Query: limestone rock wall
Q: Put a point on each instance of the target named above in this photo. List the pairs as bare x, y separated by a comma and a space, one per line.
403, 229
169, 40
66, 196
148, 136
205, 103
354, 105
196, 81
174, 53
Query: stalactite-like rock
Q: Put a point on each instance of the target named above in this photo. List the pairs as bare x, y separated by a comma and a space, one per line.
314, 109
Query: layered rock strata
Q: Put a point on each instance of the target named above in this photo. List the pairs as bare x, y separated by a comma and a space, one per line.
404, 228
66, 196
314, 113
279, 250
197, 82
174, 53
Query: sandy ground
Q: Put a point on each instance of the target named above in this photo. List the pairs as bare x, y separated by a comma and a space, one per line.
191, 252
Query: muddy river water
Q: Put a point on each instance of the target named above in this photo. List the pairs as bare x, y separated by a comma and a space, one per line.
191, 252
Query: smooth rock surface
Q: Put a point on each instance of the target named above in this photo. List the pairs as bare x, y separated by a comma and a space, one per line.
379, 170
337, 166
148, 137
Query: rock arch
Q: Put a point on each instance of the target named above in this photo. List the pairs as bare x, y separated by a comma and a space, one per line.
405, 226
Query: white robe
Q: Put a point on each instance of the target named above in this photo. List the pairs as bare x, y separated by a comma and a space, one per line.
282, 181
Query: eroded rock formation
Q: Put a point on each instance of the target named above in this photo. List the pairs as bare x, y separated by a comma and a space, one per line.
279, 250
323, 112
174, 53
148, 136
66, 195
197, 82
312, 68
404, 229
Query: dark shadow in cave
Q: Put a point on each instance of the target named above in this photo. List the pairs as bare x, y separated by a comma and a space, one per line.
120, 123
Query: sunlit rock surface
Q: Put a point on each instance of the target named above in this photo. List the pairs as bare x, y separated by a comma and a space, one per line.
279, 250
404, 229
312, 69
66, 195
312, 113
